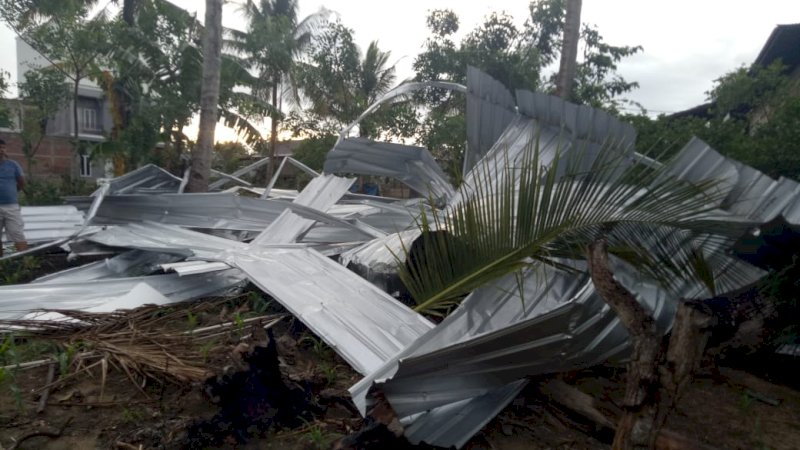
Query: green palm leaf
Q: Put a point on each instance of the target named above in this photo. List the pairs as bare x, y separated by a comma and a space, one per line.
541, 209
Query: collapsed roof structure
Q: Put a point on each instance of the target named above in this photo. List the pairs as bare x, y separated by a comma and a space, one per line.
445, 380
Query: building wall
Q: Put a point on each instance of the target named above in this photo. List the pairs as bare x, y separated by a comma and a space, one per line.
53, 159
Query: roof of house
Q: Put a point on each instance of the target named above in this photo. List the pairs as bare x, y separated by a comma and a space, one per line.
783, 43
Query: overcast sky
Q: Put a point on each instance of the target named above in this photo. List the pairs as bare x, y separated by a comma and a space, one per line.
687, 43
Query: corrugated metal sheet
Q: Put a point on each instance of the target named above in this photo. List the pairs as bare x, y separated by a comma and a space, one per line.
149, 179
361, 323
156, 237
401, 91
412, 165
490, 109
132, 263
320, 194
208, 210
50, 223
93, 206
18, 300
243, 171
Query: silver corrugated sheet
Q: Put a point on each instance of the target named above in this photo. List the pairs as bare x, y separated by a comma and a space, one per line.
319, 195
50, 223
93, 206
149, 179
156, 237
364, 325
17, 300
208, 210
412, 165
490, 109
133, 263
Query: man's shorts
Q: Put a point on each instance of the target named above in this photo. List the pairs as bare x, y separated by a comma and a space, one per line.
11, 223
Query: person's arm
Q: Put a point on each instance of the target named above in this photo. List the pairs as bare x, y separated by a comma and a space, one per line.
20, 183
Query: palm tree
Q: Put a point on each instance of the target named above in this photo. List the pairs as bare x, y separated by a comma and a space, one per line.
569, 49
274, 40
339, 82
552, 212
209, 96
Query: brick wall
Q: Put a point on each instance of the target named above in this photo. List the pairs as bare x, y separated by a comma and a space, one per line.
53, 159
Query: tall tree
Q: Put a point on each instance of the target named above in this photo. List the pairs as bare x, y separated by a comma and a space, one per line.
569, 49
519, 57
67, 36
43, 94
209, 96
753, 117
339, 83
274, 40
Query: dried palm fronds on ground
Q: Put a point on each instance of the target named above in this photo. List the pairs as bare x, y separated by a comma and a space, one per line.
147, 343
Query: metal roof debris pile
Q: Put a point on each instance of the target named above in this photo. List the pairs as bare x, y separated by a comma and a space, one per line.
447, 380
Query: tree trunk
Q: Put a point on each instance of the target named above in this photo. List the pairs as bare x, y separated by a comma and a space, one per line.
76, 148
569, 50
129, 12
273, 135
638, 426
209, 97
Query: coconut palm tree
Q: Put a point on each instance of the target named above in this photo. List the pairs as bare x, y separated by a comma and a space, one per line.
339, 82
209, 96
533, 212
274, 40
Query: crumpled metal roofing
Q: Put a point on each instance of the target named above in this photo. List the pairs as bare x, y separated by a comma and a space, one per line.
18, 300
493, 340
363, 324
448, 380
490, 109
412, 165
320, 194
149, 179
48, 223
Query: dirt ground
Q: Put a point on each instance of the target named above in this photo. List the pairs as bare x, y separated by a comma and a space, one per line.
735, 410
731, 409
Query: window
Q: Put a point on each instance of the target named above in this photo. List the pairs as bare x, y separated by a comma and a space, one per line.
86, 165
88, 119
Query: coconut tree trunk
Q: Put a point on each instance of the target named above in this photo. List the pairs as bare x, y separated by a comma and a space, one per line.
638, 427
273, 135
129, 12
209, 96
569, 49
76, 148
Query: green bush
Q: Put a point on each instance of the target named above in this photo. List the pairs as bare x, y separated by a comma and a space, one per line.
51, 191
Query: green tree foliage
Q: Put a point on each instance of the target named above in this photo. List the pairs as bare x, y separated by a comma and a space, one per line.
518, 57
312, 151
44, 93
754, 117
5, 114
339, 82
228, 156
274, 41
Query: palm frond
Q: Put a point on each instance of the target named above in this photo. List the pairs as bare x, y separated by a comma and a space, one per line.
551, 202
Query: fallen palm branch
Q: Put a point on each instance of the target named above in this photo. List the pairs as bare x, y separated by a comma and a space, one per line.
147, 343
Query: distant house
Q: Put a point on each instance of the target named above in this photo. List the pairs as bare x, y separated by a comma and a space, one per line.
784, 45
55, 156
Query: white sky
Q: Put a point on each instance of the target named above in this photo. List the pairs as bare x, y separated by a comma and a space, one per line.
687, 43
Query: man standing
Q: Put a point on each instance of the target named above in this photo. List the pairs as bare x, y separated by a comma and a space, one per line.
12, 180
